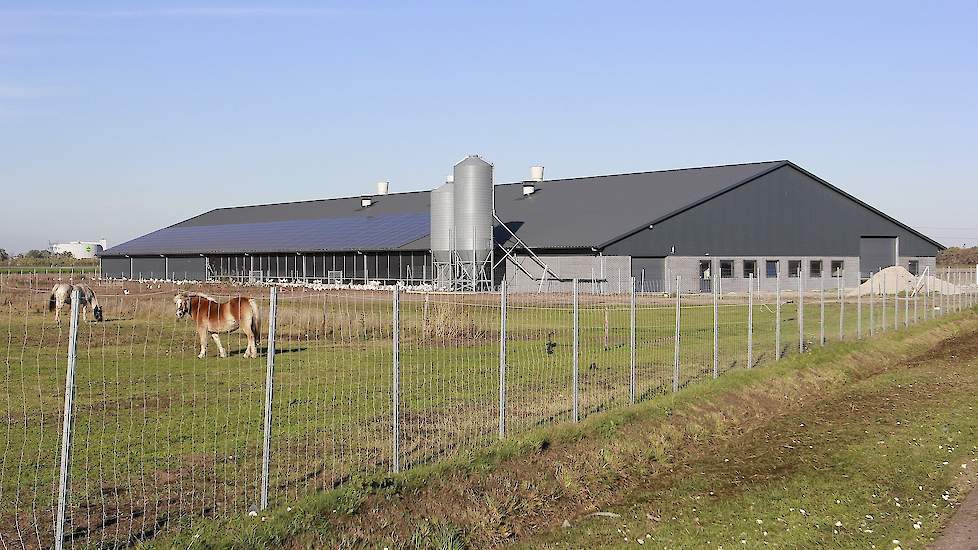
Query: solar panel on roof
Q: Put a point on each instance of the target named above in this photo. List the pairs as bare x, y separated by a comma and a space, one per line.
382, 232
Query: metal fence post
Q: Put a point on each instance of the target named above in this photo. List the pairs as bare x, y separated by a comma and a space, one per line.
801, 310
715, 290
872, 307
269, 394
896, 306
906, 308
821, 311
750, 321
926, 298
777, 315
502, 359
396, 381
576, 395
633, 375
842, 310
859, 312
883, 304
67, 423
916, 298
675, 366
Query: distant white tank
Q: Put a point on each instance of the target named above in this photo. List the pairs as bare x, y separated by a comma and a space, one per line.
473, 208
80, 249
383, 187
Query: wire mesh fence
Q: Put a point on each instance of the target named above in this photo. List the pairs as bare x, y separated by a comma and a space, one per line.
349, 383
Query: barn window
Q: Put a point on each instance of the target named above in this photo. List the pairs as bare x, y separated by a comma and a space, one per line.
726, 269
794, 268
771, 269
815, 268
913, 267
750, 269
837, 268
705, 269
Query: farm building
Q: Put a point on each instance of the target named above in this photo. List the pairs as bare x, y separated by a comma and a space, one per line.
766, 220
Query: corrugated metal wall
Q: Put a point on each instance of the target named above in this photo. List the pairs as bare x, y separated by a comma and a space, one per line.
782, 213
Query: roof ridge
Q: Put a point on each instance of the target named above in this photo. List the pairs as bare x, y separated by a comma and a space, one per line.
305, 201
688, 168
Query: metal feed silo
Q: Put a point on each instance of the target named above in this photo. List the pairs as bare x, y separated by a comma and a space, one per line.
442, 221
473, 209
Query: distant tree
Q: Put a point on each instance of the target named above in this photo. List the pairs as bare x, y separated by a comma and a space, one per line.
37, 254
3, 255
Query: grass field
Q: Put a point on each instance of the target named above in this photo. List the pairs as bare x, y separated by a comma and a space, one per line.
162, 438
860, 445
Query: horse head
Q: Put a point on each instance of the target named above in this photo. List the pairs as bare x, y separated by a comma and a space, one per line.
97, 313
182, 301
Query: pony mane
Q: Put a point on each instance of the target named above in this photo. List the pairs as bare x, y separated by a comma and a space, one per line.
207, 297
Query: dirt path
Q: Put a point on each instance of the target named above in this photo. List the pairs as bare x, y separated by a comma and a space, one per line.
962, 532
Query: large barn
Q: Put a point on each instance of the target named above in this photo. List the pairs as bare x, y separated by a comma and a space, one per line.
735, 221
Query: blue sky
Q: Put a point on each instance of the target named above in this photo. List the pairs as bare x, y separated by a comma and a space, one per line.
117, 118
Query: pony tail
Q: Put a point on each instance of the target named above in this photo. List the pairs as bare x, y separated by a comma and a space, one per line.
52, 301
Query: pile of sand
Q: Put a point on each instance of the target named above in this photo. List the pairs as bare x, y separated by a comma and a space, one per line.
897, 280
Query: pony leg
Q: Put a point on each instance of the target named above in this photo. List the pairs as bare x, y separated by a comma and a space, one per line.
252, 349
203, 344
220, 348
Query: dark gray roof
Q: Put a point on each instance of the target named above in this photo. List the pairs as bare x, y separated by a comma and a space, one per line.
589, 212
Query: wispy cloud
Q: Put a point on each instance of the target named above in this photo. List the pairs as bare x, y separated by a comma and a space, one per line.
214, 12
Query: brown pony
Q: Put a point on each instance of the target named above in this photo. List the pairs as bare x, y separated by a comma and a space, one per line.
212, 317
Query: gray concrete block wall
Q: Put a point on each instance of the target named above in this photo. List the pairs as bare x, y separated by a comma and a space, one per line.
689, 269
922, 262
595, 273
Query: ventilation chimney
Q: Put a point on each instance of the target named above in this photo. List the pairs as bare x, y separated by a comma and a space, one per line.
365, 202
536, 173
383, 187
529, 188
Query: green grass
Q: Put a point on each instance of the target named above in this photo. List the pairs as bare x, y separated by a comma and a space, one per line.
860, 440
160, 434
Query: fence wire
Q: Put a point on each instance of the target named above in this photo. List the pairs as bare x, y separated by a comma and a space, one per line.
363, 382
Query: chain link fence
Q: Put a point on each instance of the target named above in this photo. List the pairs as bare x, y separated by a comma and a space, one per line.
114, 431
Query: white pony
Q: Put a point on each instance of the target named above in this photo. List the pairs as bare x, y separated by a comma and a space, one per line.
61, 295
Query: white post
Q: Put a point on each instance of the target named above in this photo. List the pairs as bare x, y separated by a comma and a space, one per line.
396, 381
675, 371
883, 298
67, 423
750, 321
842, 310
801, 309
269, 394
906, 308
821, 310
715, 290
777, 314
576, 397
872, 307
859, 311
633, 375
502, 359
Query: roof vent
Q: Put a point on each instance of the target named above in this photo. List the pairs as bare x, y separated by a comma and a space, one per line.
529, 188
536, 173
383, 187
365, 202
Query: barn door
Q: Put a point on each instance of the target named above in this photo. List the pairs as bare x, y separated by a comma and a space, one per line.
876, 253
